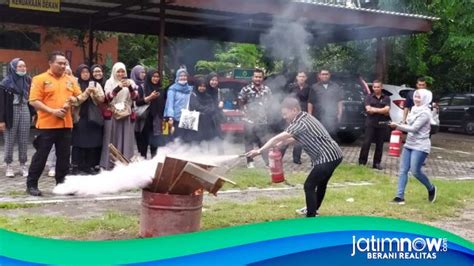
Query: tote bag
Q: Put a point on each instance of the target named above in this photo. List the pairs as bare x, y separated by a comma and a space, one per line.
189, 119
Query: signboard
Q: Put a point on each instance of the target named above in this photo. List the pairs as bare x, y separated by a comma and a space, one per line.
40, 5
243, 73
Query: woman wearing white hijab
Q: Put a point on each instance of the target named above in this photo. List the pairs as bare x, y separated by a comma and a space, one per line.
120, 92
417, 145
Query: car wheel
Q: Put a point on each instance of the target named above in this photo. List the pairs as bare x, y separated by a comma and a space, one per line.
347, 137
469, 128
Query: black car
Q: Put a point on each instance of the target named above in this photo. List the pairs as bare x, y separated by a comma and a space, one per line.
353, 114
457, 111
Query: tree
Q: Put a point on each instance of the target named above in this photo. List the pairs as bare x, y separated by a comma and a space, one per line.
80, 39
232, 55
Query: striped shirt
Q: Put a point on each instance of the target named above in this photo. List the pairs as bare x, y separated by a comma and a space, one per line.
314, 138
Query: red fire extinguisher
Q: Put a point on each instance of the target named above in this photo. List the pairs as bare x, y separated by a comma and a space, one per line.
276, 165
395, 143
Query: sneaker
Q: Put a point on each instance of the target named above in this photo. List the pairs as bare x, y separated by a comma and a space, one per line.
432, 194
251, 165
24, 171
303, 211
52, 173
297, 162
398, 200
9, 171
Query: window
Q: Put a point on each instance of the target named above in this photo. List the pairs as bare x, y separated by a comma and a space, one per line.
15, 40
404, 93
444, 101
386, 92
461, 100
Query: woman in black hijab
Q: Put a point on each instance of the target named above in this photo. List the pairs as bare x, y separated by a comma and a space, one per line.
149, 130
87, 133
203, 102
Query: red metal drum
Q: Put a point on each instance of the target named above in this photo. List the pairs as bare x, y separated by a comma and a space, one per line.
168, 214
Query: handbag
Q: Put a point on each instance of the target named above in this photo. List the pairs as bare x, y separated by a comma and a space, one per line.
142, 111
121, 111
94, 114
189, 119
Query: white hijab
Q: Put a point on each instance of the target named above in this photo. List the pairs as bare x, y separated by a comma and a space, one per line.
113, 82
424, 107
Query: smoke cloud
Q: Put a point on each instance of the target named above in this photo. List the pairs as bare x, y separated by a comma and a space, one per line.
289, 40
140, 174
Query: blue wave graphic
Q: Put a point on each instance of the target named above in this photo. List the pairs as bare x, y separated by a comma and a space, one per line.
332, 248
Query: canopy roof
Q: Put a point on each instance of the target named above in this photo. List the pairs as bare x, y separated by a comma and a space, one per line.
224, 20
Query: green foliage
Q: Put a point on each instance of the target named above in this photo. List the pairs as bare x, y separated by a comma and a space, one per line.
231, 55
352, 57
136, 49
445, 55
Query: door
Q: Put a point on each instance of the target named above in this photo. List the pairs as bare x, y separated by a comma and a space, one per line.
444, 116
457, 109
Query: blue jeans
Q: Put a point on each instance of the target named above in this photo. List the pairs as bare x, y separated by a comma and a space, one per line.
412, 160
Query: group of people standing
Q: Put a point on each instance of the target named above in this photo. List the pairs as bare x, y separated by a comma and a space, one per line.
88, 112
79, 114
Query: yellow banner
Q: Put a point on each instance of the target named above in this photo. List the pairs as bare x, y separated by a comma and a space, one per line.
40, 5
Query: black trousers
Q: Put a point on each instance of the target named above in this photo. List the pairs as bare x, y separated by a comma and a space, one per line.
43, 143
256, 134
315, 185
85, 158
377, 135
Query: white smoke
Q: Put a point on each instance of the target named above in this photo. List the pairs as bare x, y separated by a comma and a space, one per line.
140, 174
289, 40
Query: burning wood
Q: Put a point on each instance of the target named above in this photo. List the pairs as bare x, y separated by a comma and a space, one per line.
176, 176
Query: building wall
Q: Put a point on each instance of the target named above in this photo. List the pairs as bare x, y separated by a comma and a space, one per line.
37, 61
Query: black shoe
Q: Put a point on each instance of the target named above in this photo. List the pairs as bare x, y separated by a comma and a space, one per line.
377, 166
398, 200
297, 161
432, 195
74, 171
34, 192
362, 163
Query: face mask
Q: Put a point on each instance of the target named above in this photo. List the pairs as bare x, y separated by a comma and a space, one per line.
21, 73
182, 82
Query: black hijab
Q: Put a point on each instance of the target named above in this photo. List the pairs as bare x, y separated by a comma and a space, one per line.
213, 92
100, 81
82, 83
157, 107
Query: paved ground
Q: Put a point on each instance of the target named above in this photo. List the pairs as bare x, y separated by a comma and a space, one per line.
452, 158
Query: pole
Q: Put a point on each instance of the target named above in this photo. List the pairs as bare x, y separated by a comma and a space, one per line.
161, 52
91, 43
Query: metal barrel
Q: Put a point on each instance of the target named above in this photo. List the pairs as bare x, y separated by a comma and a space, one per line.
168, 214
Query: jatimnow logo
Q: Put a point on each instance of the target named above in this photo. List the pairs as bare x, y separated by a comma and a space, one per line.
420, 248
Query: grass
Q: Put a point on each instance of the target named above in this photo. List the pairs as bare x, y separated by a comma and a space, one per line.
260, 178
372, 200
10, 205
60, 227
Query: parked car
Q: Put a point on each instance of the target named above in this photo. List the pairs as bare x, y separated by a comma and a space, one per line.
457, 111
229, 91
353, 115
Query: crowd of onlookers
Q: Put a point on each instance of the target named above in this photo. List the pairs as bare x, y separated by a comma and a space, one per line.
78, 114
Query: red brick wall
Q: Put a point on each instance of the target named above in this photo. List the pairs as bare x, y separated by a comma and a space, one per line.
37, 61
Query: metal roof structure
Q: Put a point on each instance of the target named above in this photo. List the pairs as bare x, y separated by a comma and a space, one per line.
223, 20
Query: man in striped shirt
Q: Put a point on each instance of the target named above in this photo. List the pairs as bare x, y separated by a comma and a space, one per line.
317, 143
